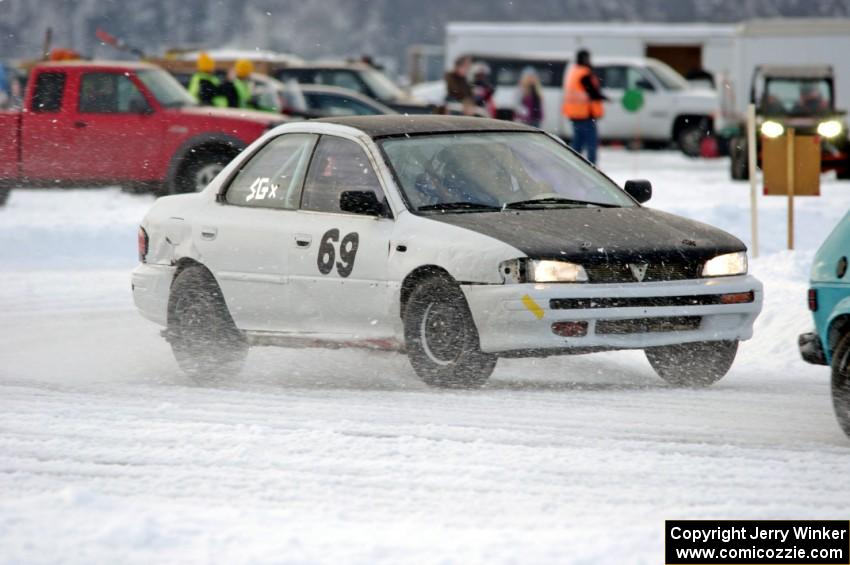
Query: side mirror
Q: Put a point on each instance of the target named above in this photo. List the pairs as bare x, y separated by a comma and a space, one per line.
640, 190
644, 84
362, 202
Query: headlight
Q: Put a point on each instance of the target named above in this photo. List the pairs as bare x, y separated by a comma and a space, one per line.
555, 271
772, 129
726, 265
829, 129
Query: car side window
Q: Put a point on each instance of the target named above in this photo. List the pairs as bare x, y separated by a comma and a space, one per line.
273, 177
614, 76
333, 105
338, 165
343, 79
47, 96
110, 93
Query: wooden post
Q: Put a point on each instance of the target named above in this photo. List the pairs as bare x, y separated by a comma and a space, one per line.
752, 153
790, 174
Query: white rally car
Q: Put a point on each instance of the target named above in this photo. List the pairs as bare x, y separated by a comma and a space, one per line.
456, 240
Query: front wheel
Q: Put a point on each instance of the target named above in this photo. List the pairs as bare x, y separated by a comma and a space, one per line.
205, 341
441, 338
4, 194
841, 383
693, 364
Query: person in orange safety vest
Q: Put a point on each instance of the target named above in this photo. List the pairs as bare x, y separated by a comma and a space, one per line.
583, 105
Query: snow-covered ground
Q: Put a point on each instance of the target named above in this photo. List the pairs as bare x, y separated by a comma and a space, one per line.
108, 454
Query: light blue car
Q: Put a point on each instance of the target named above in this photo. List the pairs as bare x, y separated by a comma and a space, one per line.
829, 301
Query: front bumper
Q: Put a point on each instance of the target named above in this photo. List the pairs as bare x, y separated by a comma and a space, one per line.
151, 286
811, 349
519, 317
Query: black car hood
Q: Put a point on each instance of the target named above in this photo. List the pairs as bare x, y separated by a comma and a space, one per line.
599, 235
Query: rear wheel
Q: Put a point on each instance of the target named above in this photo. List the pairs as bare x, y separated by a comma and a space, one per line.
199, 169
689, 139
203, 337
841, 383
4, 194
441, 338
693, 364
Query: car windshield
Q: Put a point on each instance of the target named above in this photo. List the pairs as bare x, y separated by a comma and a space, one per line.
165, 88
669, 79
474, 172
384, 88
797, 96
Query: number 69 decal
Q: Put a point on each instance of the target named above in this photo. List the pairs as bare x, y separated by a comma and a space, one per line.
347, 253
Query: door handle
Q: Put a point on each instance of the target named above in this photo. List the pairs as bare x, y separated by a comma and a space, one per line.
80, 124
209, 232
303, 240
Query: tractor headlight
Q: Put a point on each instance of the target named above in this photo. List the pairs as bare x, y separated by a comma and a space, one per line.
772, 129
554, 271
726, 265
829, 128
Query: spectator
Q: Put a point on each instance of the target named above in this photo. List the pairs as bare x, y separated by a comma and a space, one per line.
458, 89
483, 89
529, 109
237, 90
583, 105
204, 86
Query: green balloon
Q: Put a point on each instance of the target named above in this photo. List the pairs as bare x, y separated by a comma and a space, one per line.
633, 99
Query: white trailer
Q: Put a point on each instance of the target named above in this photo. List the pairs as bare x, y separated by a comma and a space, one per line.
791, 42
729, 51
682, 46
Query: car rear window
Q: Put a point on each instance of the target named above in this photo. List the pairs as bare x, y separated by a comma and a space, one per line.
49, 88
273, 177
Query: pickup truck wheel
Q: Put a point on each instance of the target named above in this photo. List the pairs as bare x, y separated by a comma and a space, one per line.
841, 383
4, 194
205, 341
739, 167
441, 338
689, 139
693, 364
199, 170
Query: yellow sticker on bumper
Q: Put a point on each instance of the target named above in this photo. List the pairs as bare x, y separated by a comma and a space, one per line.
533, 307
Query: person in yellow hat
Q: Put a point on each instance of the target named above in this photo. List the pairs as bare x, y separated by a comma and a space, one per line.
204, 86
237, 90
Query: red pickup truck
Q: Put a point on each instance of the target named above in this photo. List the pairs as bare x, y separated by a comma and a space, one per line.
95, 123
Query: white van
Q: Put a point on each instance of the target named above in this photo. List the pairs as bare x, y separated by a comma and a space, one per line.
505, 71
673, 110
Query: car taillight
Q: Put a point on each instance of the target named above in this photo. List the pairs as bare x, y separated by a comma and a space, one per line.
143, 244
813, 299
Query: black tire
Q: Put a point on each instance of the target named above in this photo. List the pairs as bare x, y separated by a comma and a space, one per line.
841, 383
693, 364
689, 139
199, 169
844, 173
739, 167
441, 338
4, 194
205, 341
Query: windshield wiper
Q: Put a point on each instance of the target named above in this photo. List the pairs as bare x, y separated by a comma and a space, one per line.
445, 206
547, 202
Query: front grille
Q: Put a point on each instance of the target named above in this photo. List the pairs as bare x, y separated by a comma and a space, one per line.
658, 271
638, 301
648, 325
